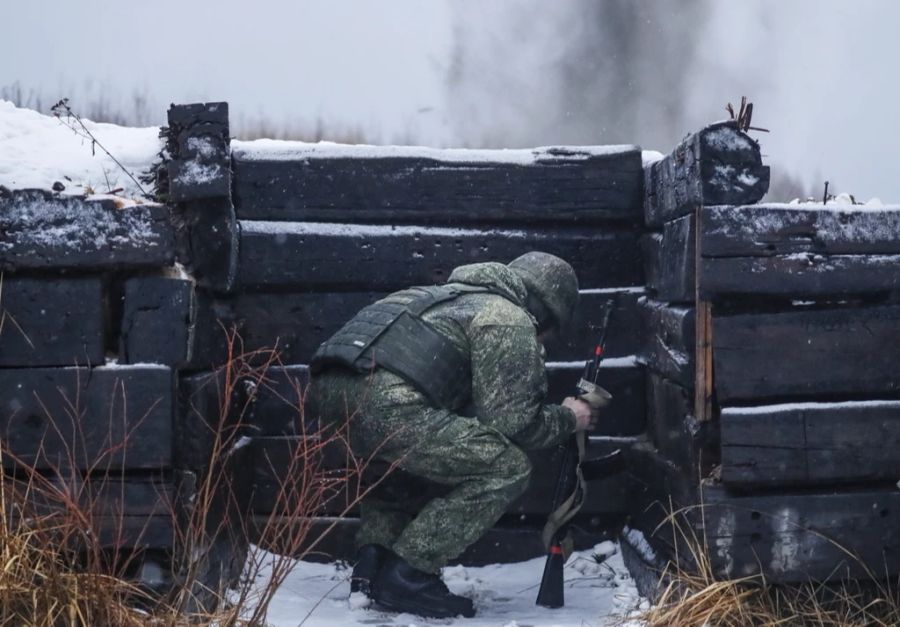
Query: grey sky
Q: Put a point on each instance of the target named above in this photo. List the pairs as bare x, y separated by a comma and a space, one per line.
822, 73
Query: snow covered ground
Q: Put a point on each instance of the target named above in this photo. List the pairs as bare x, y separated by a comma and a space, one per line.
316, 595
38, 150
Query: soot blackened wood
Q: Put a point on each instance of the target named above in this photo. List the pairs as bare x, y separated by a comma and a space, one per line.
561, 185
288, 469
41, 230
211, 233
278, 403
669, 336
626, 413
798, 537
157, 322
770, 230
199, 178
51, 322
799, 274
293, 323
669, 260
718, 165
211, 417
132, 512
622, 337
106, 417
827, 352
354, 257
690, 444
659, 488
651, 249
806, 443
199, 146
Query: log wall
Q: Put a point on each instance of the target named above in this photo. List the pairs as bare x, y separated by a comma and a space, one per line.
773, 413
751, 353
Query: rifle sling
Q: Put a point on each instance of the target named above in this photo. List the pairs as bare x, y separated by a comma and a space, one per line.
571, 506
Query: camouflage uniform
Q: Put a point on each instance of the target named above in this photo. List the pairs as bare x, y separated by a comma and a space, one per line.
469, 459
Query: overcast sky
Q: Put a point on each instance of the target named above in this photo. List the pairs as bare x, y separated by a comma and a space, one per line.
822, 73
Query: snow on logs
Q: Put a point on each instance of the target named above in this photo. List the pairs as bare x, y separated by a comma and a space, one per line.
776, 250
296, 181
811, 443
719, 165
39, 229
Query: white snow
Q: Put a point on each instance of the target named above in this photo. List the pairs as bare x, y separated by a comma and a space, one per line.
38, 150
367, 230
649, 157
809, 406
317, 595
611, 362
281, 150
639, 543
727, 138
195, 173
614, 290
80, 226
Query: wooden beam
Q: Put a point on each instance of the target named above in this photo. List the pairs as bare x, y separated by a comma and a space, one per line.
801, 275
769, 230
688, 443
397, 185
157, 321
317, 256
809, 443
669, 341
41, 230
798, 537
51, 321
88, 418
811, 353
718, 165
670, 261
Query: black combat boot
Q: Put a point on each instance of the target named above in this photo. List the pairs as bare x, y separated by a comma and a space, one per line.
401, 588
369, 559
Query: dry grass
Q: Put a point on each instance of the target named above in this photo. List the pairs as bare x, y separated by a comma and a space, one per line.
67, 553
694, 596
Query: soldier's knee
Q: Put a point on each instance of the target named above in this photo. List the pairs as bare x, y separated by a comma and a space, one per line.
516, 468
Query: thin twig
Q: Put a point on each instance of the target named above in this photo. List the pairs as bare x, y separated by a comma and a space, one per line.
78, 127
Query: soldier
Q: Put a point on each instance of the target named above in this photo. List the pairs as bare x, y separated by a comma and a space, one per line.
448, 383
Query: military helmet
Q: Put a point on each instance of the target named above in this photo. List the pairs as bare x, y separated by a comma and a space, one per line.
553, 282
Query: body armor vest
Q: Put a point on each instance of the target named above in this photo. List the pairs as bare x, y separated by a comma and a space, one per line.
392, 334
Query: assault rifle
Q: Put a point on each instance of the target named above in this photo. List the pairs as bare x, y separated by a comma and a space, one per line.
574, 473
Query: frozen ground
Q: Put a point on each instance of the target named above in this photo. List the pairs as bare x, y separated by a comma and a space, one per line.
316, 595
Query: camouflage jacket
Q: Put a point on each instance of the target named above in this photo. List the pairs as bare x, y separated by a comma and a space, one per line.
509, 382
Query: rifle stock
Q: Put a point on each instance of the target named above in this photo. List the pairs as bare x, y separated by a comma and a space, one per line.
551, 592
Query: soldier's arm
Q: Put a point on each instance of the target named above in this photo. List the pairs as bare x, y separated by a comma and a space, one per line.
509, 385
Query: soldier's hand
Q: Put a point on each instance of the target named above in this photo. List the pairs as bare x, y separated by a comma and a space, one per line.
585, 417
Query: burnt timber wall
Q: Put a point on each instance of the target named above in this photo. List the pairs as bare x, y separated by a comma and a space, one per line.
773, 386
762, 386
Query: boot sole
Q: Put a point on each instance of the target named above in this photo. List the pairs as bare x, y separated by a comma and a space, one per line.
392, 604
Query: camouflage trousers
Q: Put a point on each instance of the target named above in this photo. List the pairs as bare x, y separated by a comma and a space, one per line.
457, 476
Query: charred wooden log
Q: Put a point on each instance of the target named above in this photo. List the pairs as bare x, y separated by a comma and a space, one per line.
300, 182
